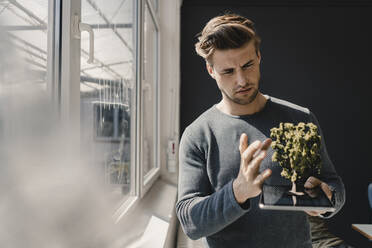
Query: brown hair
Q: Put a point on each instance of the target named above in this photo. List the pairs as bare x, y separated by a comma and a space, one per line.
228, 31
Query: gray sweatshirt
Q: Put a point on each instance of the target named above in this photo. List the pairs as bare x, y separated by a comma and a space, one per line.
209, 162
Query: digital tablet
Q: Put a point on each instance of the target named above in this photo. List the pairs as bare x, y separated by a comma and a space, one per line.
279, 198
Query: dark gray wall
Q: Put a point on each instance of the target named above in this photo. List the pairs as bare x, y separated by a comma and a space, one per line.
316, 55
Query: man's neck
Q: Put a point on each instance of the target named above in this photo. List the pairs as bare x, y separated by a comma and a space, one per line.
232, 108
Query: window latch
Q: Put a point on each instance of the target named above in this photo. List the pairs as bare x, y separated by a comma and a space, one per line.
77, 28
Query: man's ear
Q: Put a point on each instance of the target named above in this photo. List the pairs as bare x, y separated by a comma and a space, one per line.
259, 57
210, 70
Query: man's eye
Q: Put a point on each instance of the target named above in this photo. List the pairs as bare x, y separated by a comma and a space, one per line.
247, 65
228, 72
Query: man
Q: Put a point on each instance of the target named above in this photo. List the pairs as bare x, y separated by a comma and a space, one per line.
225, 154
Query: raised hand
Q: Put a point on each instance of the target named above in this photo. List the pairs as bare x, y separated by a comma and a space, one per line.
248, 183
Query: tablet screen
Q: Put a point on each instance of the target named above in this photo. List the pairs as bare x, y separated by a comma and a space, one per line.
279, 197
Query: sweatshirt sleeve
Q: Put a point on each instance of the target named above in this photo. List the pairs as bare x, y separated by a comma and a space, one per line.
201, 211
329, 175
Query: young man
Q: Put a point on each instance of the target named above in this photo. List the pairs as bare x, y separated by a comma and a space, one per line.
220, 176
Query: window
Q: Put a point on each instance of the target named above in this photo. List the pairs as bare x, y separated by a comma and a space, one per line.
107, 92
113, 101
119, 94
150, 95
24, 56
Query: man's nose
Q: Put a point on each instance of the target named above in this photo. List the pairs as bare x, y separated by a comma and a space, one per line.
241, 80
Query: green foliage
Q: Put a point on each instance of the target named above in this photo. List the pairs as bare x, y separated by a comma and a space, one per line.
297, 149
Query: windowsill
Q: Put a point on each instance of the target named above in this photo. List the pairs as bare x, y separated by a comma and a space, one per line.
129, 203
159, 202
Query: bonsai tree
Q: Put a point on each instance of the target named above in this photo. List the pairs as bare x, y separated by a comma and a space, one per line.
297, 150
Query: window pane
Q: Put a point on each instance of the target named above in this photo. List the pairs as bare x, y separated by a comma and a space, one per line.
149, 86
23, 65
26, 25
106, 91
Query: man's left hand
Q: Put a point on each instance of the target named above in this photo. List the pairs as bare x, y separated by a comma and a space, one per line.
313, 182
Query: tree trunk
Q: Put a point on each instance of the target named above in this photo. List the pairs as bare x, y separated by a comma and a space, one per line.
294, 190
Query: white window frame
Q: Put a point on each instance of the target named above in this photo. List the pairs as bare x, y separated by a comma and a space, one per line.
154, 173
70, 70
54, 51
68, 94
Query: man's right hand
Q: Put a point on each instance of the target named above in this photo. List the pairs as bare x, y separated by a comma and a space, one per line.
249, 182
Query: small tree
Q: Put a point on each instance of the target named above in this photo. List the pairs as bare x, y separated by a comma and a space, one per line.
297, 150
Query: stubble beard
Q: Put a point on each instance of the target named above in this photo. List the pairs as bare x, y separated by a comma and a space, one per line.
244, 101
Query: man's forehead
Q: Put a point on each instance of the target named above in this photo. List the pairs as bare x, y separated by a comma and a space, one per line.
233, 57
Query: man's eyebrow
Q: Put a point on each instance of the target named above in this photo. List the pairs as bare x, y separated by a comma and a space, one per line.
227, 70
231, 69
248, 63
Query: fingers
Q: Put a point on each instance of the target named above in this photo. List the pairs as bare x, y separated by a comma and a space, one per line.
326, 190
264, 146
314, 213
260, 179
247, 154
312, 182
243, 144
261, 153
254, 154
254, 165
311, 192
252, 157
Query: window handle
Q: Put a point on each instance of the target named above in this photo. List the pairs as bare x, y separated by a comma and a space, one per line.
79, 27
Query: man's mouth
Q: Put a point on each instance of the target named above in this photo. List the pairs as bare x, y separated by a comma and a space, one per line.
242, 91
